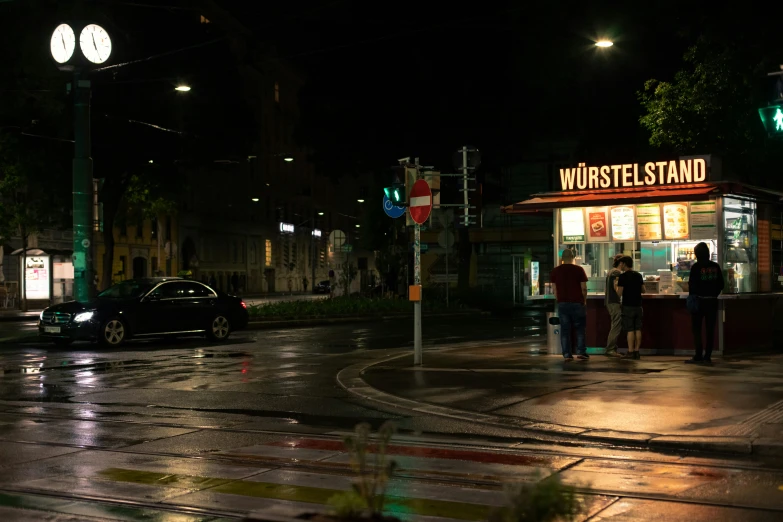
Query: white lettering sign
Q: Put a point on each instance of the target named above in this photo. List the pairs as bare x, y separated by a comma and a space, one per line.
316, 232
675, 172
286, 228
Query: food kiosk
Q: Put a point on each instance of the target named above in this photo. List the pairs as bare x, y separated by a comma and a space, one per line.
657, 212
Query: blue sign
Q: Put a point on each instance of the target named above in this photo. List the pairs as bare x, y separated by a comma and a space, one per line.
391, 210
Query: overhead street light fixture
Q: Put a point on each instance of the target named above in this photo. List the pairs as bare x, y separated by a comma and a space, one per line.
254, 200
182, 88
360, 200
288, 159
604, 43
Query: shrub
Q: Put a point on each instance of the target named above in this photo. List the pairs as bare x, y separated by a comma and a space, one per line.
541, 501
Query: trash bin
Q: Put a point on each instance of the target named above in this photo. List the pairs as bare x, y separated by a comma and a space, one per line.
553, 334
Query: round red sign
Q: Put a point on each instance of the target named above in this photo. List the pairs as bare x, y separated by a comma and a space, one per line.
420, 202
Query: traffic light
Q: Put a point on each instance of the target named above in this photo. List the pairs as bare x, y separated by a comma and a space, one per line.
396, 194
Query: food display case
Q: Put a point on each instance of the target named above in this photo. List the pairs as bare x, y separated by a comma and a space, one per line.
659, 227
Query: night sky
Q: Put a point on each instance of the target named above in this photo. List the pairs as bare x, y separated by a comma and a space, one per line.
423, 78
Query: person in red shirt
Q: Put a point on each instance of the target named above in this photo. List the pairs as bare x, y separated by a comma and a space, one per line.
570, 284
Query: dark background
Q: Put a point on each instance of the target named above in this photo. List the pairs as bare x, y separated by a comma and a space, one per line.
423, 78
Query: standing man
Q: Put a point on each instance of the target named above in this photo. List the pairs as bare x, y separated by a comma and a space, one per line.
706, 283
630, 287
570, 285
613, 306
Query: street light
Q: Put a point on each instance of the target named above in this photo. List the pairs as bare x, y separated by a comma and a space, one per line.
254, 200
320, 213
182, 88
289, 159
360, 200
604, 43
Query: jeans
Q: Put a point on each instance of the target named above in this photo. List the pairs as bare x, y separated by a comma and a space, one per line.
708, 313
572, 315
616, 313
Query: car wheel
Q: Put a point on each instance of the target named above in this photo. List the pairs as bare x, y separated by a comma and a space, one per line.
219, 328
62, 342
113, 333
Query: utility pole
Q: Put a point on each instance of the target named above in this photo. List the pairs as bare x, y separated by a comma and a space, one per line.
82, 190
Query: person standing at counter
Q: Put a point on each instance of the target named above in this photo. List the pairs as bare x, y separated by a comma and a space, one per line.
570, 286
612, 302
630, 287
705, 284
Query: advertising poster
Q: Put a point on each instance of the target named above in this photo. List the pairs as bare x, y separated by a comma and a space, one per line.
598, 224
648, 222
534, 277
704, 223
623, 228
36, 277
573, 223
675, 220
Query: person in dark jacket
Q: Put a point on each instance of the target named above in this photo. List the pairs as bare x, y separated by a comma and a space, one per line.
706, 283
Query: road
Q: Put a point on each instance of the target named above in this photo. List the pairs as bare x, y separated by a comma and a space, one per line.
188, 430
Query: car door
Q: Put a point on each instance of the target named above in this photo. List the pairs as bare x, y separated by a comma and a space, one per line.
198, 305
161, 311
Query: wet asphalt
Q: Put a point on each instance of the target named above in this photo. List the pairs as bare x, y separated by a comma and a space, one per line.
96, 425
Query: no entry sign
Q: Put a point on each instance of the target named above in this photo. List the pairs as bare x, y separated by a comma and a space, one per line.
420, 202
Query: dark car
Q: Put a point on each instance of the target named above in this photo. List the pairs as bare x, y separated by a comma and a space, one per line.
324, 287
142, 308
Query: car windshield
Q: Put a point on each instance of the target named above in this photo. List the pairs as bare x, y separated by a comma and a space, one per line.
126, 289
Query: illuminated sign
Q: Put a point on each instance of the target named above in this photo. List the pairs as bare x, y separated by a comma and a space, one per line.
623, 228
316, 232
648, 222
286, 228
676, 220
573, 223
653, 173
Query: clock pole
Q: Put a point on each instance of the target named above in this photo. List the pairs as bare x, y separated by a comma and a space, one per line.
82, 190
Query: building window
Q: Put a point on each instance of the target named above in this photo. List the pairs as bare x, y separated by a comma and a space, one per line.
140, 227
268, 252
123, 223
205, 20
277, 92
154, 266
168, 228
154, 228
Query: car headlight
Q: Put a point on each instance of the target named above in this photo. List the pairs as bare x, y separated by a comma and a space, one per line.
40, 317
84, 316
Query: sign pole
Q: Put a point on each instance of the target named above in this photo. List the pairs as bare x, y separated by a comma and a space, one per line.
417, 349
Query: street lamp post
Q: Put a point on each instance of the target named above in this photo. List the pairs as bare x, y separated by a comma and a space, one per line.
82, 189
95, 47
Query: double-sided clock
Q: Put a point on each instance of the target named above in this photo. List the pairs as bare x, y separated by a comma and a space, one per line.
94, 42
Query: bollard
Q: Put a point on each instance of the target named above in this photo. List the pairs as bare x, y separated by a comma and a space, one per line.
553, 335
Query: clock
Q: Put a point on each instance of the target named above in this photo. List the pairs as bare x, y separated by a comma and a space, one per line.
95, 43
63, 43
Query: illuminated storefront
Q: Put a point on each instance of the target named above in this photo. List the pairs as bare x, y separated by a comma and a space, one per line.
657, 212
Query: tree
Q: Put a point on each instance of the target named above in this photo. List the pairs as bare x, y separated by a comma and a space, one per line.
710, 106
31, 195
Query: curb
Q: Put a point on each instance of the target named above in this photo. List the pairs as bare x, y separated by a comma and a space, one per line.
263, 325
350, 379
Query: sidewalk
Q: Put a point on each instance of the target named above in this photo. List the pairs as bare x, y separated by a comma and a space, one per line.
18, 315
733, 406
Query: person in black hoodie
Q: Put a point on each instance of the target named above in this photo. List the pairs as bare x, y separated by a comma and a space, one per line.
706, 283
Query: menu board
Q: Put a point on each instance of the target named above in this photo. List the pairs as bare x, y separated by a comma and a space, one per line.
704, 223
648, 222
623, 224
573, 224
598, 224
675, 220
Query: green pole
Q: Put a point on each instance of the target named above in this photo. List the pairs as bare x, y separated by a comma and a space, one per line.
82, 190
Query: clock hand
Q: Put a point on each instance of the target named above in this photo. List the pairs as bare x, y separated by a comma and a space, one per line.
93, 42
63, 39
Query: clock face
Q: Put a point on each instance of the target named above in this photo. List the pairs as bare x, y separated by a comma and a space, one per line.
95, 43
63, 43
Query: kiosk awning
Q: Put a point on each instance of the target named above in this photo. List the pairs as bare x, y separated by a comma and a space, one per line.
595, 198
